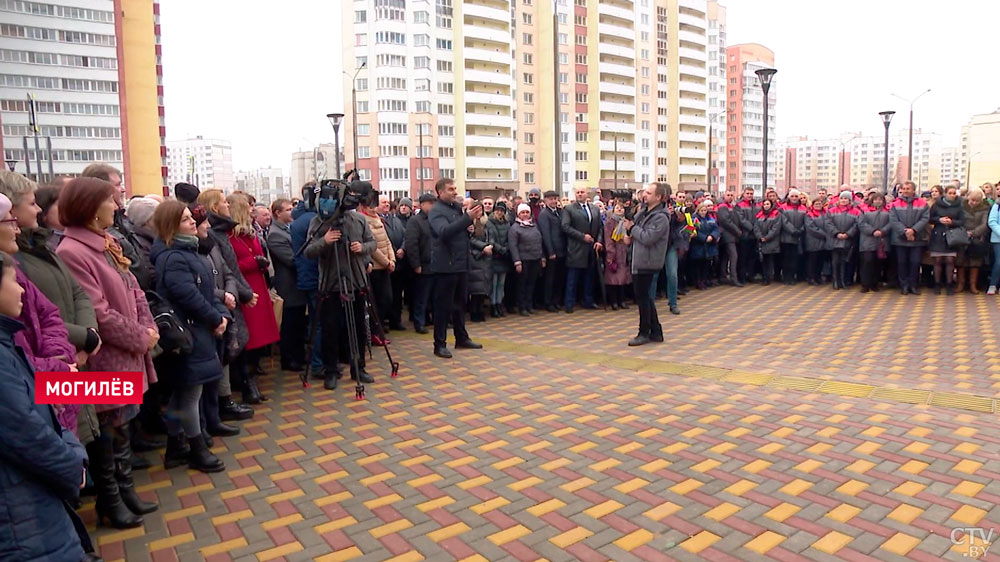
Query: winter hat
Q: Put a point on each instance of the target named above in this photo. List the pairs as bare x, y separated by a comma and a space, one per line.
848, 194
198, 213
5, 206
186, 192
501, 206
523, 207
140, 210
535, 191
794, 191
427, 197
406, 201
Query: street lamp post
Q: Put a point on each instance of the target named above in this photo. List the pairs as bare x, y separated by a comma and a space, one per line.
11, 164
840, 158
886, 118
354, 109
335, 119
909, 171
765, 75
708, 167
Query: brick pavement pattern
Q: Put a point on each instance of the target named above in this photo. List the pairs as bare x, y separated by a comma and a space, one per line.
558, 442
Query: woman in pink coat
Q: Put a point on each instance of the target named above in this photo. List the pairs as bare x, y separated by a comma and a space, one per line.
128, 333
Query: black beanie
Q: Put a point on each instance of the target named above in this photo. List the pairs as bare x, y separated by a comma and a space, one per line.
186, 193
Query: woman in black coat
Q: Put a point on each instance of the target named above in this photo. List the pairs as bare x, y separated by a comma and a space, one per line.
946, 214
767, 229
184, 279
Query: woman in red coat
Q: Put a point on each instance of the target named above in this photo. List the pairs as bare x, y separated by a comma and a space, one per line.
253, 264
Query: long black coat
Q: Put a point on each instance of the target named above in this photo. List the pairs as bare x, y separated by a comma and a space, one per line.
942, 209
417, 243
553, 237
498, 232
184, 278
279, 243
450, 246
580, 254
480, 269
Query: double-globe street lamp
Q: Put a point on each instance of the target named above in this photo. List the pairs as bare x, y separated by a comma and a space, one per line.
886, 118
765, 75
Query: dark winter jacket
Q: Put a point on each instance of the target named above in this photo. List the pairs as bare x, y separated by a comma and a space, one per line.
872, 220
306, 269
553, 237
221, 227
580, 254
41, 466
729, 221
498, 233
768, 227
417, 243
185, 280
746, 212
816, 231
279, 244
905, 214
943, 208
352, 266
793, 224
395, 230
449, 238
650, 236
701, 248
124, 232
841, 220
525, 242
480, 267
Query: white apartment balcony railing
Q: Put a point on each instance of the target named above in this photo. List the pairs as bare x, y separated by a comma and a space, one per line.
695, 120
478, 10
617, 127
616, 69
486, 55
490, 163
616, 11
693, 70
487, 77
693, 54
698, 153
614, 107
688, 103
699, 5
689, 19
690, 170
620, 89
489, 120
492, 141
687, 35
617, 50
489, 99
487, 33
609, 146
616, 31
623, 165
691, 136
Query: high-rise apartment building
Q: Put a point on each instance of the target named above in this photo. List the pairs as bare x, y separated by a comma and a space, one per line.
93, 68
521, 94
981, 143
265, 184
311, 165
745, 133
717, 94
207, 163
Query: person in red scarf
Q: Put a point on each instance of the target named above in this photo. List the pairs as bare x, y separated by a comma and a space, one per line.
841, 228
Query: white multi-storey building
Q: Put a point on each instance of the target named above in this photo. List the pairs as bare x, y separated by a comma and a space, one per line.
313, 165
265, 184
717, 93
207, 163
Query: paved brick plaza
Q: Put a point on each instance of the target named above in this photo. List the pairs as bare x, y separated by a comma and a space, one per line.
786, 423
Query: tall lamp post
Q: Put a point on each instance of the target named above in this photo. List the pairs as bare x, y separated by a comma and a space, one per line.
420, 149
708, 168
909, 172
336, 119
354, 109
840, 158
886, 118
765, 75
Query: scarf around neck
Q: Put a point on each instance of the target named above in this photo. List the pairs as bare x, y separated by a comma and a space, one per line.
114, 250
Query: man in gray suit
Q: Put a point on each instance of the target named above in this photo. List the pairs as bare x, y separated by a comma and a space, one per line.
581, 221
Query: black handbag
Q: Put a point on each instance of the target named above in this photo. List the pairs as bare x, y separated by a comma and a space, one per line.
175, 337
957, 238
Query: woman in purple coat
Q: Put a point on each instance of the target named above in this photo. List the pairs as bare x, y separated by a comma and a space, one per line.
128, 333
617, 273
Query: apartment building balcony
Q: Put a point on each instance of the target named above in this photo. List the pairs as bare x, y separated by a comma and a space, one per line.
615, 107
503, 163
692, 104
692, 36
488, 77
619, 12
691, 170
694, 153
693, 20
486, 33
620, 89
486, 12
617, 50
489, 120
616, 69
488, 99
697, 5
616, 31
691, 136
486, 55
490, 141
623, 147
694, 120
623, 165
693, 54
617, 127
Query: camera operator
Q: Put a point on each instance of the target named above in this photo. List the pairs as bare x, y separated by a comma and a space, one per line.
450, 253
342, 244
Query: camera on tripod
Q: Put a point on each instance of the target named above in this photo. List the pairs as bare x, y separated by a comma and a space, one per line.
334, 197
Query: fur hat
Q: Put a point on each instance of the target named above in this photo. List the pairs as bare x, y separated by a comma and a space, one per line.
186, 192
140, 210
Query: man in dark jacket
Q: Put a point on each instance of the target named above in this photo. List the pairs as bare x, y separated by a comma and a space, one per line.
293, 318
307, 269
746, 211
793, 229
649, 236
450, 255
554, 245
908, 218
399, 277
342, 246
417, 246
581, 221
732, 231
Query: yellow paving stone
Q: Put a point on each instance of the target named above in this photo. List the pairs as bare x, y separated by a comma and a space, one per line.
966, 448
384, 500
968, 466
764, 542
448, 532
289, 495
900, 544
663, 510
852, 487
632, 485
965, 431
905, 513
605, 464
557, 463
808, 466
686, 486
170, 542
182, 513
508, 535
706, 465
578, 484
740, 487
232, 517
335, 524
867, 448
279, 551
819, 448
416, 460
507, 463
832, 542
914, 467
411, 556
602, 509
860, 466
917, 447
756, 466
843, 513
920, 431
675, 448
526, 483
969, 515
546, 507
281, 521
571, 537
634, 540
654, 466
723, 448
477, 481
424, 480
435, 503
700, 542
967, 488
227, 546
341, 555
390, 528
333, 498
489, 505
722, 511
796, 487
783, 511
771, 448
910, 488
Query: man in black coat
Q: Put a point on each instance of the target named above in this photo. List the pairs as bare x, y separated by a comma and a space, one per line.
450, 255
581, 221
293, 319
554, 245
417, 247
395, 229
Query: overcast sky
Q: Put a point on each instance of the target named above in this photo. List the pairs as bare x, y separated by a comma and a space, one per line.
264, 75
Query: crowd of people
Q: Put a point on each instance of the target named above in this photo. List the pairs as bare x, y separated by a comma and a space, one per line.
194, 290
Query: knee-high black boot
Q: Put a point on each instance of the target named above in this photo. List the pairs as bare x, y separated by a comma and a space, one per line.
122, 445
109, 501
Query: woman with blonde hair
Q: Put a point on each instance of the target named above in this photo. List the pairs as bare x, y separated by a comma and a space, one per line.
253, 264
971, 258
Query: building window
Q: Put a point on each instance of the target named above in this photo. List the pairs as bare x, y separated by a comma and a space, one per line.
529, 78
563, 38
446, 130
581, 39
445, 109
529, 138
362, 129
360, 16
421, 40
581, 137
529, 118
390, 37
563, 58
581, 156
392, 128
444, 44
581, 98
362, 107
526, 39
563, 97
529, 97
422, 84
445, 87
421, 17
364, 152
360, 39
581, 174
447, 173
422, 62
564, 78
581, 78
580, 20
529, 177
444, 65
528, 58
529, 157
526, 17
581, 117
446, 152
